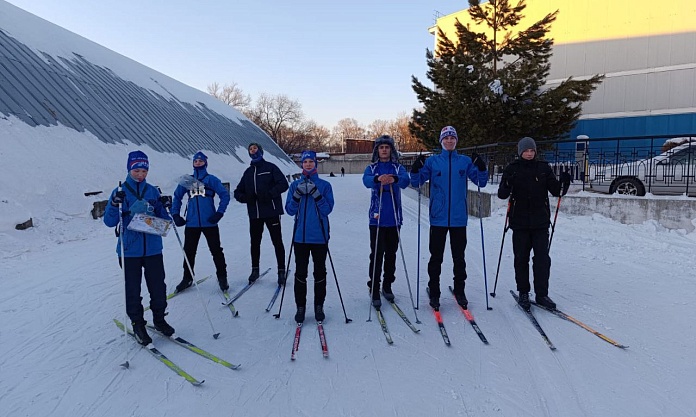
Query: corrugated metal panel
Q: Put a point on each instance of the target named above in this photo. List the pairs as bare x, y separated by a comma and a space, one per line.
85, 96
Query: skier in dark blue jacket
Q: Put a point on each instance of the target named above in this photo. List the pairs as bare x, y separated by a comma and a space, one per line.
448, 173
201, 218
142, 251
310, 200
261, 189
385, 176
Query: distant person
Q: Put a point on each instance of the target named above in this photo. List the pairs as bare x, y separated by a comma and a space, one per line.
261, 188
385, 176
310, 200
448, 173
343, 172
527, 182
331, 174
141, 251
201, 217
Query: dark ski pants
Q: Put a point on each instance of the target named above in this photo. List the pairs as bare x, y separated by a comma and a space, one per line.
523, 242
154, 278
274, 229
457, 237
212, 235
385, 250
318, 252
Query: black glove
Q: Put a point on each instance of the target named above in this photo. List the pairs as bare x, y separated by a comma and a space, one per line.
478, 161
166, 201
316, 195
565, 180
118, 198
417, 164
215, 218
178, 220
264, 196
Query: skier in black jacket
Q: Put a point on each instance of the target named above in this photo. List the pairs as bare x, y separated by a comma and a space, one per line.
527, 181
260, 189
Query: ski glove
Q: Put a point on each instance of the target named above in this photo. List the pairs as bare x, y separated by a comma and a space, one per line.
306, 187
118, 198
215, 218
178, 220
565, 180
297, 195
478, 161
166, 201
417, 164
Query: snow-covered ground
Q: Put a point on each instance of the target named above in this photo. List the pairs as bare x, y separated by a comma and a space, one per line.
61, 288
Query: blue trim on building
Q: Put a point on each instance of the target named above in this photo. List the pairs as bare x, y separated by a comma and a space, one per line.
659, 125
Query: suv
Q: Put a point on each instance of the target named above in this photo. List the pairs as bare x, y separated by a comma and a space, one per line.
669, 173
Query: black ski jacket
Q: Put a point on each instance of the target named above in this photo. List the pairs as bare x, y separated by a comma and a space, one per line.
528, 183
261, 188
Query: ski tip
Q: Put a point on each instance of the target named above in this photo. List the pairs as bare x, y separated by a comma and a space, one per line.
216, 335
348, 320
198, 383
125, 365
277, 316
236, 313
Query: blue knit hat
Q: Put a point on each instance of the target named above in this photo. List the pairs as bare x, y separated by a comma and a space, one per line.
309, 155
448, 131
200, 155
137, 159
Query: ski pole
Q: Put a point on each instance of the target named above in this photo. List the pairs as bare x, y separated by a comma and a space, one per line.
403, 258
419, 242
374, 255
483, 248
125, 364
287, 267
328, 251
553, 225
505, 229
193, 276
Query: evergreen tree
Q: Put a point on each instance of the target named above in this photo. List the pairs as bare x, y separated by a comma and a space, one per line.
492, 88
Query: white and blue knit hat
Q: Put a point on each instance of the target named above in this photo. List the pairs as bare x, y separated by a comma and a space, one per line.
448, 131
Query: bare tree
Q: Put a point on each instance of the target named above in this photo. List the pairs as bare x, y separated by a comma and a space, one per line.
347, 128
230, 94
302, 135
275, 114
406, 141
379, 127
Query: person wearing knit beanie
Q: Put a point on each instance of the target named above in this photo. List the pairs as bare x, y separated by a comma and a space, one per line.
527, 182
260, 189
201, 217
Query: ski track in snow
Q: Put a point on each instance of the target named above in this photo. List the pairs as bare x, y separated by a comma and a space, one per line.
60, 351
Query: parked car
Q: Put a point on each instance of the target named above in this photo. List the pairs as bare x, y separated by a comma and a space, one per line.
669, 173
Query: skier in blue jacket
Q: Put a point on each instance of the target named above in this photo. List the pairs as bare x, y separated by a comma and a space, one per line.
385, 177
201, 218
310, 200
142, 251
448, 173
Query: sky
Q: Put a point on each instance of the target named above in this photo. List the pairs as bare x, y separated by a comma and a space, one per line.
60, 350
338, 59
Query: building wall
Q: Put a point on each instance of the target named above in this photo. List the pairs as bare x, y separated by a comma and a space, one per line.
647, 52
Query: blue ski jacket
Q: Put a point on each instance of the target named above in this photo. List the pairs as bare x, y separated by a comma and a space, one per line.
140, 198
383, 215
448, 173
309, 213
201, 203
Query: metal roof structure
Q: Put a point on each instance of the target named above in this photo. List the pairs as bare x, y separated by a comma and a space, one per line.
44, 89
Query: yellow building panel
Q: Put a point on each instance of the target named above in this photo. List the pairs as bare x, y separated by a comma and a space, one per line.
593, 20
